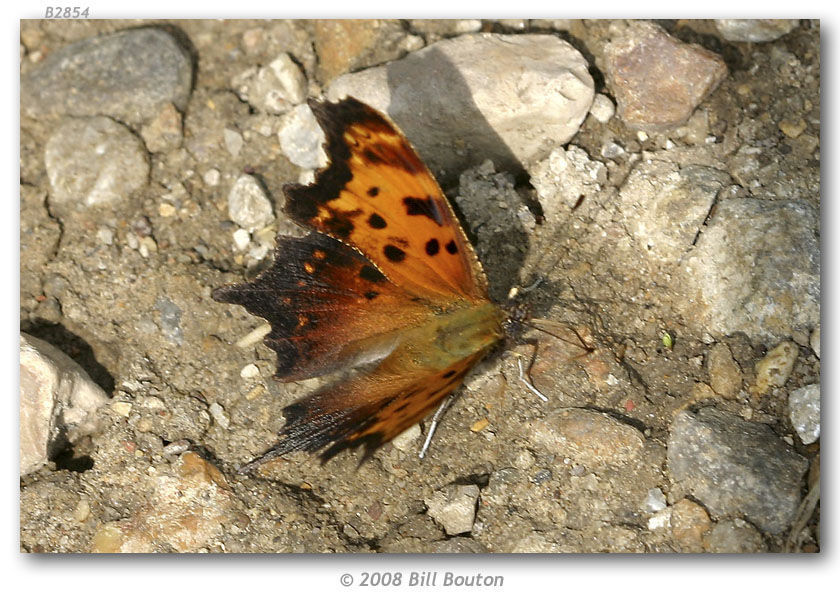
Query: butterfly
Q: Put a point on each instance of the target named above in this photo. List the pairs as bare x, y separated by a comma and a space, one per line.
385, 283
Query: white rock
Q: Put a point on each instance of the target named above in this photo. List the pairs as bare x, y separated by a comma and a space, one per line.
248, 205
454, 508
774, 369
804, 405
301, 138
54, 391
602, 108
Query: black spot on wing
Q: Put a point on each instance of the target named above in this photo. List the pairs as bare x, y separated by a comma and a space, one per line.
393, 253
373, 192
451, 247
423, 206
377, 222
432, 247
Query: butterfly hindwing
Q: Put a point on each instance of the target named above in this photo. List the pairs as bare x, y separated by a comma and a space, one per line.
326, 305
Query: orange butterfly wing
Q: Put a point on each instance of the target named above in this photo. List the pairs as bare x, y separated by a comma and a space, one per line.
387, 282
377, 196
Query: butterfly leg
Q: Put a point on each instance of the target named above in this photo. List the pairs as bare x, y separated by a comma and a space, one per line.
436, 418
527, 379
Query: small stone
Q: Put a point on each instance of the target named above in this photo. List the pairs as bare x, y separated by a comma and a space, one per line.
254, 336
249, 371
454, 508
105, 235
233, 141
774, 369
166, 210
724, 372
655, 500
792, 129
815, 341
94, 162
301, 138
804, 406
273, 89
165, 132
735, 537
248, 205
479, 425
689, 523
218, 414
212, 177
241, 239
82, 511
755, 30
588, 437
123, 409
602, 108
660, 519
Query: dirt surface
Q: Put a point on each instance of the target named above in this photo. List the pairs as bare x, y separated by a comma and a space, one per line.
632, 350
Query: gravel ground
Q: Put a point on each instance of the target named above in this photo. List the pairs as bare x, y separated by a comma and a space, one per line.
673, 234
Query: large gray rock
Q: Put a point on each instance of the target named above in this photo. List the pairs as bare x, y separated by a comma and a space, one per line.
128, 75
57, 398
509, 98
736, 468
664, 205
757, 267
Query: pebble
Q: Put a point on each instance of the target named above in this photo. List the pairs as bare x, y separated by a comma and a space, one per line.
122, 409
590, 438
602, 108
273, 89
724, 373
94, 162
57, 398
165, 132
166, 210
792, 129
689, 525
804, 406
82, 511
741, 267
774, 369
252, 337
755, 30
170, 319
128, 75
660, 520
241, 239
250, 371
735, 467
453, 508
735, 537
562, 178
105, 235
218, 414
233, 142
655, 500
656, 79
301, 138
440, 98
248, 205
212, 177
